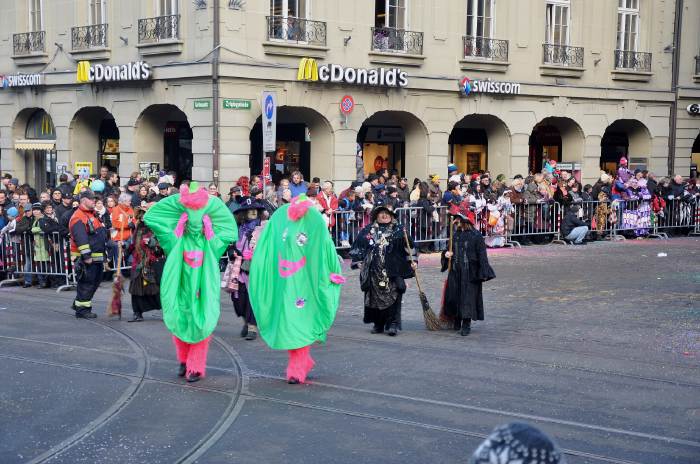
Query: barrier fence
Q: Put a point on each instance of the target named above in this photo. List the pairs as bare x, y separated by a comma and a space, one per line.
46, 258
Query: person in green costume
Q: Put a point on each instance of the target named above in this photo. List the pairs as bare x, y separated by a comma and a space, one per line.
194, 231
295, 283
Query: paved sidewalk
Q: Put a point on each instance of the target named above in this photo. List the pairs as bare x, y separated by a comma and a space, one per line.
599, 346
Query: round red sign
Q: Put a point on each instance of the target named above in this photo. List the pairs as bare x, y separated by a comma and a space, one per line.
347, 104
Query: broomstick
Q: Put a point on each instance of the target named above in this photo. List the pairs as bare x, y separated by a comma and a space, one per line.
115, 304
443, 317
431, 320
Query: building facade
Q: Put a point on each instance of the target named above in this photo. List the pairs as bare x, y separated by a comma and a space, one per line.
498, 85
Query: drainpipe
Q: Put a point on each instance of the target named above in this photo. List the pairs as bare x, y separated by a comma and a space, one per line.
215, 92
673, 120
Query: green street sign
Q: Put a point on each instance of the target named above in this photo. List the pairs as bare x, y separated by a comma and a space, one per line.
202, 104
236, 104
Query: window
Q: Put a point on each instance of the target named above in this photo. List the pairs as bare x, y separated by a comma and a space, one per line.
391, 13
98, 12
480, 18
628, 25
557, 22
167, 8
36, 15
289, 8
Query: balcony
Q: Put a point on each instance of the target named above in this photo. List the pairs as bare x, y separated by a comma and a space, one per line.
90, 42
29, 48
296, 30
159, 35
632, 66
298, 37
562, 61
396, 47
484, 54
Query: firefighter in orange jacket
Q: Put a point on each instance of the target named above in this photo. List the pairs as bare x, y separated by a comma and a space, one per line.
88, 239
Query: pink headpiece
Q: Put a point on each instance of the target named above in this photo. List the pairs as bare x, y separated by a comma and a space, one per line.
196, 200
298, 208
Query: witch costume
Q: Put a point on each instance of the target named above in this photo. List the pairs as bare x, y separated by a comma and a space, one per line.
194, 230
295, 283
386, 262
146, 271
468, 268
241, 256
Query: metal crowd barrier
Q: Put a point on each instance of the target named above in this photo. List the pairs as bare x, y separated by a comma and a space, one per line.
680, 214
530, 220
50, 263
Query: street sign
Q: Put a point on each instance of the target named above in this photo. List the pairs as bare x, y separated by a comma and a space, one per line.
269, 121
347, 104
202, 104
236, 104
266, 170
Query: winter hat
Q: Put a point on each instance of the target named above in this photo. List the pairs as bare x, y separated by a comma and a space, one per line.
517, 443
12, 212
451, 168
37, 206
623, 161
15, 182
97, 186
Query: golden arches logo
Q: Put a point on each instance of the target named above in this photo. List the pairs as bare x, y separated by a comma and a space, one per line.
83, 74
308, 70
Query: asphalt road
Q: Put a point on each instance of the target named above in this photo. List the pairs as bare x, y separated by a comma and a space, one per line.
599, 346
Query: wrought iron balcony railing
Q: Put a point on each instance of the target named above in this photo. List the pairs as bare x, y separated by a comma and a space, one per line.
563, 55
483, 47
387, 39
159, 28
291, 29
636, 61
27, 43
697, 65
87, 37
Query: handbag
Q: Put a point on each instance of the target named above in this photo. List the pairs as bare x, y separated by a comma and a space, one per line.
227, 281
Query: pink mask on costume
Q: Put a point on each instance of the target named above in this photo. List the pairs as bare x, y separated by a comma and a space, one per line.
194, 258
289, 268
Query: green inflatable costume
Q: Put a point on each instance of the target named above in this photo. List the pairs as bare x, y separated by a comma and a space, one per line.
295, 283
194, 230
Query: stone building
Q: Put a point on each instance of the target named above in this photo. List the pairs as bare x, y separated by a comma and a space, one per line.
498, 85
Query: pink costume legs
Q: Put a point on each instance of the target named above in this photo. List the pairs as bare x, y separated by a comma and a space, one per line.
193, 355
300, 364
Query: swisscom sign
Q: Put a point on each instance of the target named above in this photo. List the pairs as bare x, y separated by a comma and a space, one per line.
469, 86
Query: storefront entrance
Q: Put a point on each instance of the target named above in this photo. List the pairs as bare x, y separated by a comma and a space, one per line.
94, 139
628, 138
469, 150
177, 150
38, 148
293, 151
556, 138
383, 147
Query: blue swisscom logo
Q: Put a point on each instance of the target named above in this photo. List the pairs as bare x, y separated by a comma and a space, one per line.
469, 86
5, 82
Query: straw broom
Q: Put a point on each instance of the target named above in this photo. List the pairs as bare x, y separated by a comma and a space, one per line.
115, 304
431, 320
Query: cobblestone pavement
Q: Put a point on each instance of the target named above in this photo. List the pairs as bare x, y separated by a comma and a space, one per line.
599, 346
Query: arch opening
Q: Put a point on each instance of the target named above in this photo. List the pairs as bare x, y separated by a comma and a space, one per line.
559, 139
625, 137
94, 138
480, 142
34, 136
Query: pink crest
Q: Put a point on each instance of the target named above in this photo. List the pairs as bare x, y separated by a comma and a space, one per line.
208, 229
180, 228
196, 200
337, 279
298, 208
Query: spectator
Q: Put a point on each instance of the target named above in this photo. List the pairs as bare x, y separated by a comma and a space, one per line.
104, 174
213, 190
286, 197
132, 187
329, 203
6, 178
12, 185
572, 227
283, 185
122, 219
392, 197
4, 201
235, 194
404, 191
64, 186
675, 188
297, 185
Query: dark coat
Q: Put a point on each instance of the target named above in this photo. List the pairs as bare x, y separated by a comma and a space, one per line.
570, 222
470, 269
398, 260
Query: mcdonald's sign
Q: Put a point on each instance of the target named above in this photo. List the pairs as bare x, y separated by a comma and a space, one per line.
134, 71
308, 70
83, 74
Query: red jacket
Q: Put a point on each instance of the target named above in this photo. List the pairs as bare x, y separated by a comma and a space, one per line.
328, 204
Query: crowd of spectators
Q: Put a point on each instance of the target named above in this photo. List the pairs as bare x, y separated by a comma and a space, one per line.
521, 207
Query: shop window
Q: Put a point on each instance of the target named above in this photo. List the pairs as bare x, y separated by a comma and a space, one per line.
557, 22
40, 126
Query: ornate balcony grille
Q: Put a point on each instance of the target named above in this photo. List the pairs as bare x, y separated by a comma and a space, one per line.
483, 47
387, 39
87, 37
563, 55
160, 28
637, 61
27, 43
296, 30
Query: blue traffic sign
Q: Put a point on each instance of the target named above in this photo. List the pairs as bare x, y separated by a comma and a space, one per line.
269, 106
